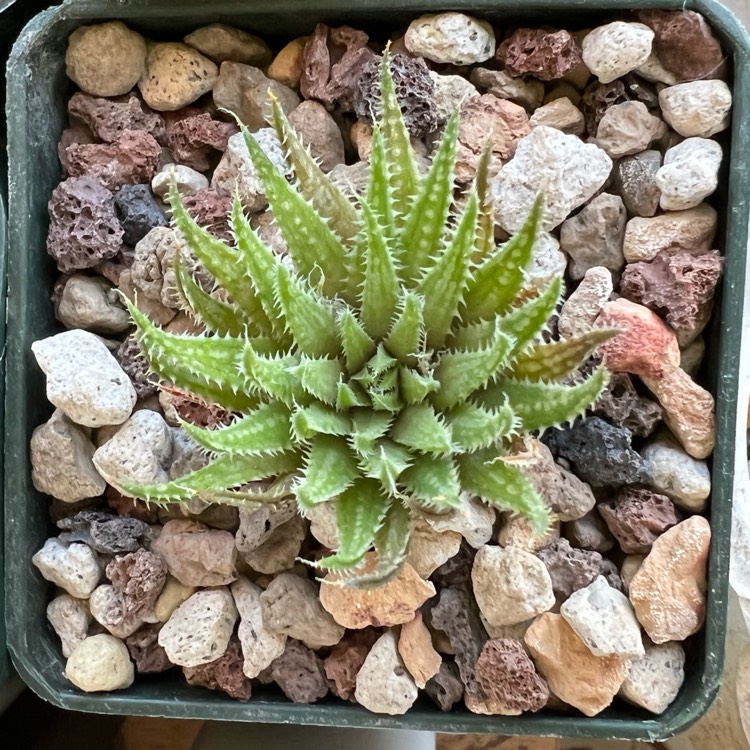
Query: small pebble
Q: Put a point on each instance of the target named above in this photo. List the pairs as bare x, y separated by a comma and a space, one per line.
655, 679
615, 49
451, 38
75, 568
100, 663
689, 174
188, 181
698, 108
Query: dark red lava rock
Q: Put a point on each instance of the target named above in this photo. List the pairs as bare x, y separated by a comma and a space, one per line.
299, 673
546, 55
149, 657
685, 44
110, 118
136, 367
224, 673
138, 579
76, 134
598, 98
569, 568
197, 141
509, 678
131, 159
211, 211
84, 229
637, 518
346, 659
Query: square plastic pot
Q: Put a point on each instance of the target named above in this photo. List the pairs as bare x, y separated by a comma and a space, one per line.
37, 94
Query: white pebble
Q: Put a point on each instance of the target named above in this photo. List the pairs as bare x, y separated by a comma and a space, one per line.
451, 38
188, 180
76, 568
689, 174
654, 680
697, 108
613, 50
99, 663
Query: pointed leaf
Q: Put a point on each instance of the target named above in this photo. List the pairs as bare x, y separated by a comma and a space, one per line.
204, 366
330, 467
543, 405
219, 317
222, 473
403, 169
349, 395
504, 486
443, 285
311, 242
309, 316
527, 322
475, 427
368, 427
473, 336
425, 223
433, 482
317, 419
415, 387
486, 221
407, 333
360, 512
273, 375
420, 429
358, 346
314, 185
496, 283
379, 190
555, 361
266, 429
224, 263
385, 462
320, 378
463, 372
389, 401
380, 290
391, 545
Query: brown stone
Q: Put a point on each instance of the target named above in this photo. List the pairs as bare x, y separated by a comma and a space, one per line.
645, 346
393, 603
417, 652
429, 549
573, 673
197, 141
679, 287
211, 211
145, 651
547, 55
570, 569
346, 659
197, 555
487, 120
299, 673
138, 579
668, 592
320, 133
624, 406
589, 532
225, 674
446, 688
509, 680
131, 159
331, 63
685, 44
108, 118
637, 518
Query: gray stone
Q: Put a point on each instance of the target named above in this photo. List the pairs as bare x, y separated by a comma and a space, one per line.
451, 38
589, 532
635, 178
320, 133
594, 236
450, 93
282, 547
257, 525
581, 309
672, 471
199, 630
654, 679
628, 128
472, 519
548, 261
510, 585
100, 663
383, 683
139, 452
84, 380
697, 108
612, 50
61, 462
70, 617
689, 174
570, 569
75, 568
568, 171
604, 620
91, 303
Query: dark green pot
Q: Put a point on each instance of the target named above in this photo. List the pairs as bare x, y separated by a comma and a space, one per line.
37, 94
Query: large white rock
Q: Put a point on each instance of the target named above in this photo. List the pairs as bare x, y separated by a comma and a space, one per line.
140, 451
566, 169
451, 38
510, 585
604, 620
84, 380
697, 108
654, 679
61, 462
677, 474
101, 662
383, 684
615, 49
689, 174
70, 617
200, 628
260, 646
75, 568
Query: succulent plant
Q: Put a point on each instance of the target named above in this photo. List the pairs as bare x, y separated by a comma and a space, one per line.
394, 369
